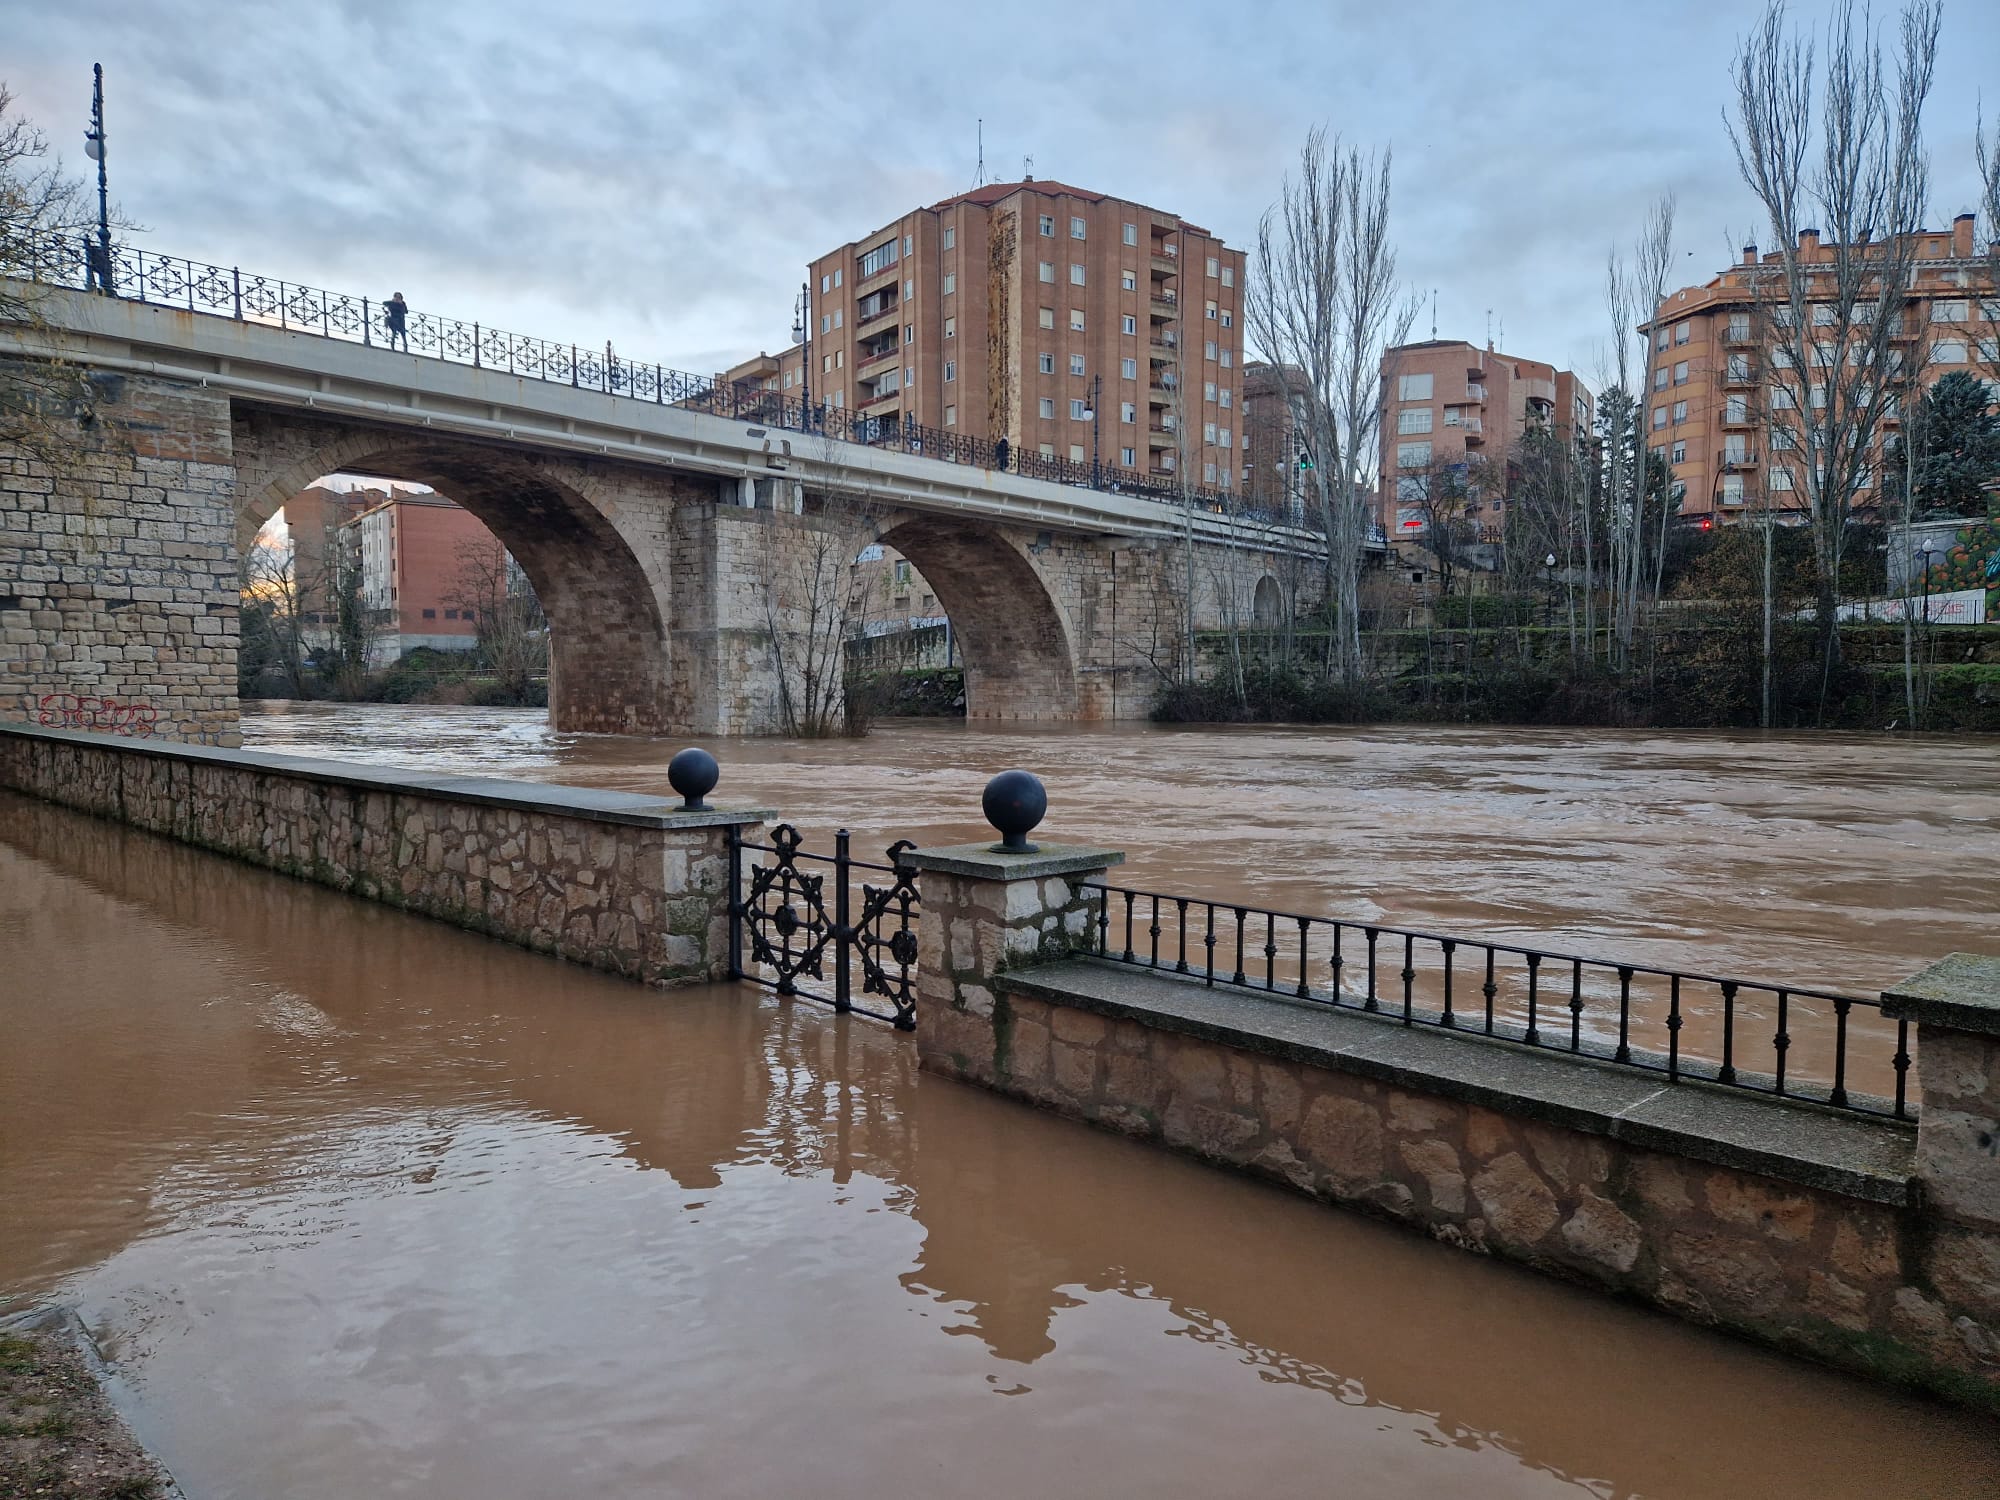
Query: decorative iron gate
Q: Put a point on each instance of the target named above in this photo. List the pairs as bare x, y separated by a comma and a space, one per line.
791, 934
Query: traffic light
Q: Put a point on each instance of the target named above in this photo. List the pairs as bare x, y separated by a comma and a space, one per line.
1305, 459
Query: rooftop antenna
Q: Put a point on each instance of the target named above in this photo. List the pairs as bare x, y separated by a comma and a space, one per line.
1489, 330
979, 174
1027, 169
1434, 314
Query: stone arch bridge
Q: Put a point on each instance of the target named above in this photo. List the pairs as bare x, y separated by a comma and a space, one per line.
672, 549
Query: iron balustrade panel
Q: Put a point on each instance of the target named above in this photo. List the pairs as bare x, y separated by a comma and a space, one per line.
812, 925
1788, 1041
146, 276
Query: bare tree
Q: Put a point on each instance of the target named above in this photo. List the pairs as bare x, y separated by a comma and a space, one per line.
1636, 559
513, 633
1324, 305
1988, 228
1835, 155
815, 599
46, 403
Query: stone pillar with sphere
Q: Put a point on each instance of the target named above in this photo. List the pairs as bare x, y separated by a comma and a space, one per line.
990, 907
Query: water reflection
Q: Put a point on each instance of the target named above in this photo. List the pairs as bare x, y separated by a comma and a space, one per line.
365, 1205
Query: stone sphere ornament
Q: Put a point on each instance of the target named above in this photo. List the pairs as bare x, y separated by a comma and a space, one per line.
1014, 802
693, 773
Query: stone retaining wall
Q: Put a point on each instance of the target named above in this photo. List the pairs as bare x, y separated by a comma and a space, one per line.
1849, 1239
615, 881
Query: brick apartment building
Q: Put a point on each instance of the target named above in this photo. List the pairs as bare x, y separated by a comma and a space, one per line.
1448, 402
1271, 476
414, 549
1074, 324
1712, 349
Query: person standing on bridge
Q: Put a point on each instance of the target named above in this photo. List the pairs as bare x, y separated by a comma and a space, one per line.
1000, 454
394, 312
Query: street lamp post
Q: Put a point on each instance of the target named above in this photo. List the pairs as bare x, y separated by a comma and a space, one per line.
1096, 390
1549, 614
98, 275
802, 331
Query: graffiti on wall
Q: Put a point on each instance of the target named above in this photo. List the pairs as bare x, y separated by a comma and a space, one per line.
105, 715
1972, 562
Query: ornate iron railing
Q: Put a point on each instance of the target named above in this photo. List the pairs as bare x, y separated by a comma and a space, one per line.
1672, 1022
791, 934
227, 291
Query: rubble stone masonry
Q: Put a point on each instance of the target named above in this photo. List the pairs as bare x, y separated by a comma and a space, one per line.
1864, 1243
118, 589
616, 881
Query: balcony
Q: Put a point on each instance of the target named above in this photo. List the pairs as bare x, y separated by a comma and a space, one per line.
1734, 460
1735, 336
863, 358
1164, 307
1743, 374
1474, 391
1470, 422
1740, 414
889, 309
1159, 437
1162, 351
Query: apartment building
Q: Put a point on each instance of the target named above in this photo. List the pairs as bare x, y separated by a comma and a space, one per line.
1073, 324
1710, 391
1272, 478
1447, 402
414, 550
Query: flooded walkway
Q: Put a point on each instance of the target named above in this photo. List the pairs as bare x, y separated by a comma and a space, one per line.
364, 1205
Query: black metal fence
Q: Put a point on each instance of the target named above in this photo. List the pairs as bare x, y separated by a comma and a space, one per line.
790, 933
227, 291
1805, 1044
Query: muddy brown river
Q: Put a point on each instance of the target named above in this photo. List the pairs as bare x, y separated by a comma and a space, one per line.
359, 1204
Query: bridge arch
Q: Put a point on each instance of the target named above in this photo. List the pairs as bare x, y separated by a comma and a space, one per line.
1016, 644
1267, 605
609, 666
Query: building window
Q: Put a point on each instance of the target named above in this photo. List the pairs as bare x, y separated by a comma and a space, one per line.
825, 284
1681, 373
1048, 270
1413, 387
1222, 436
1734, 410
1214, 266
1225, 396
1076, 229
826, 364
1048, 226
1414, 419
1131, 235
1047, 363
1739, 367
1229, 276
1076, 320
1680, 412
1660, 378
950, 236
1739, 326
1209, 311
1048, 317
950, 370
1079, 410
1129, 280
1680, 454
1208, 390
909, 333
950, 283
1228, 357
1948, 352
1048, 450
1660, 339
431, 614
826, 322
1076, 364
1228, 318
1076, 453
1412, 455
1075, 274
909, 246
910, 376
1128, 369
880, 258
1681, 334
1208, 349
1128, 457
1048, 406
1208, 432
1131, 324
950, 413
951, 328
1128, 411
839, 316
1208, 473
1659, 416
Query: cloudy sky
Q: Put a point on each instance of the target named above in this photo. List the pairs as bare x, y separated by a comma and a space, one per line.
658, 173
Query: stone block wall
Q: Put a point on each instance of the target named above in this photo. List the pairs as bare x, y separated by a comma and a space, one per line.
1824, 1235
118, 577
611, 880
